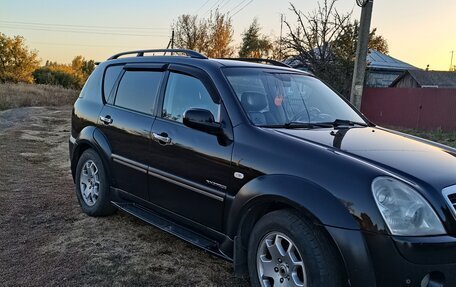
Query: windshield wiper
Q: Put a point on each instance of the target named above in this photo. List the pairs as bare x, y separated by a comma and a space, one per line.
299, 125
306, 125
313, 125
338, 122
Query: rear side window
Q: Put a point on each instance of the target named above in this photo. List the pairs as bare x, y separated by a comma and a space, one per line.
110, 77
138, 90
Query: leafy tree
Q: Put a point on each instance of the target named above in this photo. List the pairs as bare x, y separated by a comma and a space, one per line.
376, 42
255, 45
48, 76
220, 36
17, 62
82, 68
212, 36
68, 76
191, 33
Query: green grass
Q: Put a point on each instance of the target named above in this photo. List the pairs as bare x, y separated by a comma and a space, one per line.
27, 95
444, 137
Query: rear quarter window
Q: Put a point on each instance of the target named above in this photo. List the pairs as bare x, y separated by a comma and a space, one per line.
110, 76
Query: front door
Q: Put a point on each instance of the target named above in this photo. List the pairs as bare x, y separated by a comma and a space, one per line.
191, 170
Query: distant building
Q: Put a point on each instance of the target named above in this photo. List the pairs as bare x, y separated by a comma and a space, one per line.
425, 79
382, 69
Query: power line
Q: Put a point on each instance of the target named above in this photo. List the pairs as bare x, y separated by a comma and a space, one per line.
242, 8
217, 2
197, 10
82, 26
76, 45
236, 6
80, 31
224, 4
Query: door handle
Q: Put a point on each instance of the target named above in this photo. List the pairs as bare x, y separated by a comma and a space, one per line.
107, 120
161, 138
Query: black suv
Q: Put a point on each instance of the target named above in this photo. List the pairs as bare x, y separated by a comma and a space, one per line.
266, 167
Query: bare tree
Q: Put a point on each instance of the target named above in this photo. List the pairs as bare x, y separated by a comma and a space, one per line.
324, 41
313, 34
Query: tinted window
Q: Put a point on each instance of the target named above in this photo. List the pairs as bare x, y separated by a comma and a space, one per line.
272, 97
111, 74
138, 90
185, 92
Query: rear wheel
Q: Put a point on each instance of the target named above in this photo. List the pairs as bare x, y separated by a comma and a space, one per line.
285, 250
92, 185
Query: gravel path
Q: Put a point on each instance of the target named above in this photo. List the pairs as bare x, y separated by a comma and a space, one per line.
46, 240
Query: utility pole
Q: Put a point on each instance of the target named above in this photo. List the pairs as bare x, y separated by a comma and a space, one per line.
172, 39
361, 54
280, 41
451, 62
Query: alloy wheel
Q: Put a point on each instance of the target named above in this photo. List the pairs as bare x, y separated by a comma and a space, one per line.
279, 262
89, 183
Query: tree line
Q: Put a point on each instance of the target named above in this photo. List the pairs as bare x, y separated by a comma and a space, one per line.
20, 64
322, 42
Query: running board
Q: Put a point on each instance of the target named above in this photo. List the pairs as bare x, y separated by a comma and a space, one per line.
170, 227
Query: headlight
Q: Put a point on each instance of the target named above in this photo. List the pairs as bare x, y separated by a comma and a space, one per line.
405, 211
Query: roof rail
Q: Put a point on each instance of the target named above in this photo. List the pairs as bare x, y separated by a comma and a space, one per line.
140, 53
259, 60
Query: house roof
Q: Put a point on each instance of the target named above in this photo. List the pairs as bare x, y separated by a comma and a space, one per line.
439, 79
377, 60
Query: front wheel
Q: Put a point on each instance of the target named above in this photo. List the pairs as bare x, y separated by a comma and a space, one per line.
285, 250
92, 185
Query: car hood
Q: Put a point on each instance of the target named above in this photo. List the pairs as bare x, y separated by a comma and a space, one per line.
424, 160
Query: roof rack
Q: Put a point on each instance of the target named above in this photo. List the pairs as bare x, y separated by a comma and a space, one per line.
140, 53
260, 60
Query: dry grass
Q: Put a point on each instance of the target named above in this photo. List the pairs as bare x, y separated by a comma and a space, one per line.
46, 239
444, 137
26, 95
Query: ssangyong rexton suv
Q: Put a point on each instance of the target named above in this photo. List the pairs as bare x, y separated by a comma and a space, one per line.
266, 167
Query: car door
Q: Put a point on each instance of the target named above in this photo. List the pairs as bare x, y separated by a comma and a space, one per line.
191, 170
126, 121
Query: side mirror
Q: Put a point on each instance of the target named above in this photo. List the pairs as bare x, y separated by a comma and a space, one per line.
202, 120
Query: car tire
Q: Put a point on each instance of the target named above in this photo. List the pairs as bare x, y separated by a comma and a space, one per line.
92, 185
286, 250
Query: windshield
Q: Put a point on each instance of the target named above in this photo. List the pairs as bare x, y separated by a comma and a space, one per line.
280, 98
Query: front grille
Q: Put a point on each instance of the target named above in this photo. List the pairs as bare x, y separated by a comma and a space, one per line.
450, 196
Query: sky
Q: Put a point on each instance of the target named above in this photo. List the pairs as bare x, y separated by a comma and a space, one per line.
418, 32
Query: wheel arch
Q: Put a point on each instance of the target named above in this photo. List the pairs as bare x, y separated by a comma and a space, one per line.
92, 138
266, 194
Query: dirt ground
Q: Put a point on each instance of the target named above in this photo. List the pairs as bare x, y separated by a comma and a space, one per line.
46, 240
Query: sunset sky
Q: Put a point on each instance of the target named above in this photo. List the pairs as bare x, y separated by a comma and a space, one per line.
418, 32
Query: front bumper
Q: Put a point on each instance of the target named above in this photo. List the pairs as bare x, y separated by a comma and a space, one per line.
386, 261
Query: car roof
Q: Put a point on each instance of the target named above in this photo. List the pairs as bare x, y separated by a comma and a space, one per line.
197, 62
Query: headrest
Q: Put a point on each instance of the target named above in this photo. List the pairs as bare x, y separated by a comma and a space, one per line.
253, 102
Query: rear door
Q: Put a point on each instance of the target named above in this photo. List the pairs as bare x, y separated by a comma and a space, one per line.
191, 170
126, 121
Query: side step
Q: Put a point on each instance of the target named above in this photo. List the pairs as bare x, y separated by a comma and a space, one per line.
169, 226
